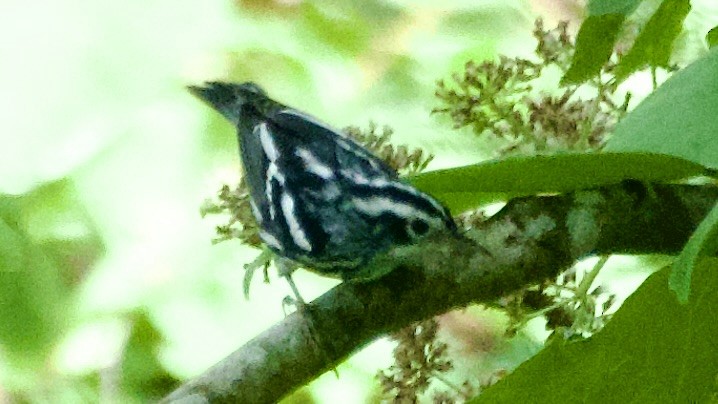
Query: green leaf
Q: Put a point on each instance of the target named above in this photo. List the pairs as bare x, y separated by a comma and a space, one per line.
654, 44
601, 7
143, 375
596, 38
703, 242
48, 243
57, 222
654, 350
470, 186
594, 46
712, 37
32, 309
678, 119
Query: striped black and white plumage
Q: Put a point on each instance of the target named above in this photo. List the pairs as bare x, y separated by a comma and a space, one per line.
320, 198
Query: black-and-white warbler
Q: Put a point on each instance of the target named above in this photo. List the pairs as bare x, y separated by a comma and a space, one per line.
320, 198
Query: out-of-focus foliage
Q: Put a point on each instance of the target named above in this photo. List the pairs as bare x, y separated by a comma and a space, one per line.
110, 287
142, 375
48, 245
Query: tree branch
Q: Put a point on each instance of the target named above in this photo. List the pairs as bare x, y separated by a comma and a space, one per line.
529, 240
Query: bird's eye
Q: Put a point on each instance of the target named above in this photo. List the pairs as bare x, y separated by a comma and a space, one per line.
418, 227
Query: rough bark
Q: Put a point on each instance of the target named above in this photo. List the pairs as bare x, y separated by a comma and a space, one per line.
529, 240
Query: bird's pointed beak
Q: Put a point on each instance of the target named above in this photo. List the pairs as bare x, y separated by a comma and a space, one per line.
223, 97
200, 92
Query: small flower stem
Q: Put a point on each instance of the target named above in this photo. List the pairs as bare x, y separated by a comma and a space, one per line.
590, 276
448, 383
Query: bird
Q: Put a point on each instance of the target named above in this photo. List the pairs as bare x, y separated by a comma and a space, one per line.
320, 199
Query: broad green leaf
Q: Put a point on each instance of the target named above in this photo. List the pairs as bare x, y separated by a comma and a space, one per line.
703, 242
469, 186
712, 37
601, 7
654, 44
594, 46
654, 350
678, 119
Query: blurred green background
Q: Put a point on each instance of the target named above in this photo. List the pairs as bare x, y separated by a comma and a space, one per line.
110, 287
